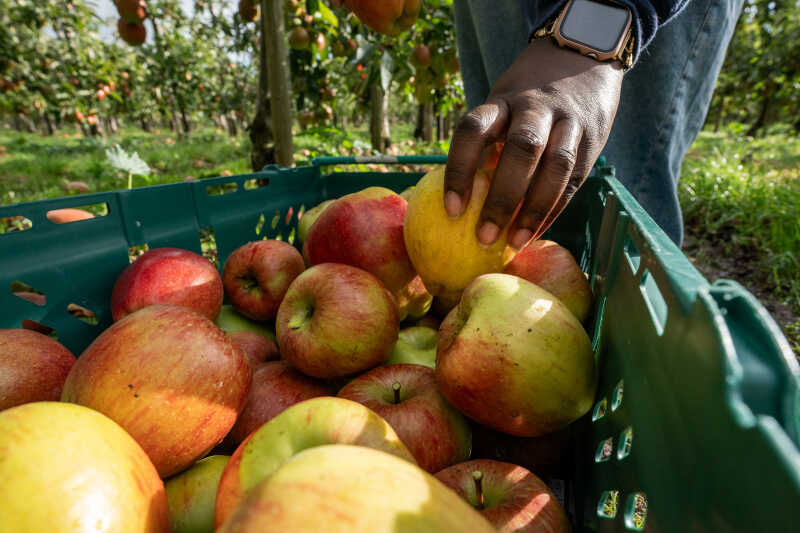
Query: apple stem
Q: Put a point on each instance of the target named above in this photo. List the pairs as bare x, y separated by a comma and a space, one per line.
396, 389
477, 477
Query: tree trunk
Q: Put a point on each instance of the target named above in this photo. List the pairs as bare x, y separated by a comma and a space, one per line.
23, 123
379, 119
762, 115
274, 110
427, 122
419, 125
187, 127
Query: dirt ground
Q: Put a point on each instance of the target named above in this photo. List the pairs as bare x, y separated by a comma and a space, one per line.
740, 265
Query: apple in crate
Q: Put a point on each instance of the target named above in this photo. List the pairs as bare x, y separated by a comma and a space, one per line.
406, 397
336, 320
169, 276
550, 266
307, 424
365, 230
511, 356
415, 345
257, 274
351, 489
308, 219
231, 321
512, 498
255, 346
169, 377
66, 468
191, 495
276, 386
33, 367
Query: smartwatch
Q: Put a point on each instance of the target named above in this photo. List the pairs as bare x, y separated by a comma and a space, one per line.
600, 29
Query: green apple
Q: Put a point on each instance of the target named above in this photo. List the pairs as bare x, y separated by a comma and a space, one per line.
191, 495
513, 357
344, 489
309, 217
416, 346
66, 468
230, 321
311, 423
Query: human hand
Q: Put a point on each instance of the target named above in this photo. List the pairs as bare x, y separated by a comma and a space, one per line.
553, 108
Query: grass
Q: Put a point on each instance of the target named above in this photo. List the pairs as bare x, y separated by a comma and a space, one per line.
741, 201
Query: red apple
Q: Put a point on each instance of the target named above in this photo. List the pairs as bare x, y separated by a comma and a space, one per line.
551, 267
169, 377
33, 367
256, 347
421, 56
276, 386
406, 397
389, 17
365, 230
335, 321
257, 275
510, 497
168, 276
512, 357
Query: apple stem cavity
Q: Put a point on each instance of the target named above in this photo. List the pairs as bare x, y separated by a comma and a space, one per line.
477, 477
396, 389
301, 318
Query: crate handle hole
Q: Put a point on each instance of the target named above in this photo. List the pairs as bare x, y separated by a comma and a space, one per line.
14, 224
260, 223
289, 213
137, 251
76, 214
82, 313
636, 511
624, 444
208, 245
607, 505
219, 190
255, 183
655, 301
617, 395
39, 328
632, 254
599, 410
275, 219
604, 450
26, 292
301, 212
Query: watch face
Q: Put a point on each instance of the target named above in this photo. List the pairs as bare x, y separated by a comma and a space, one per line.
595, 24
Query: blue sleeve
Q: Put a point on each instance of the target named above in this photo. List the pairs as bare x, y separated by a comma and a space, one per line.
648, 16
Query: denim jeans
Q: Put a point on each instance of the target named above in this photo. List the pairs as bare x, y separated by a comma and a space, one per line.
664, 99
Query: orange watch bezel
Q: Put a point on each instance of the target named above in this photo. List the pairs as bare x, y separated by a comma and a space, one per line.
616, 53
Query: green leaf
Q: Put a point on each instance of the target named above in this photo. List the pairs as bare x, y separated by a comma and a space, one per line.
328, 15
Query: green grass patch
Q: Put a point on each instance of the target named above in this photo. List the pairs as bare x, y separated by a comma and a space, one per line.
742, 195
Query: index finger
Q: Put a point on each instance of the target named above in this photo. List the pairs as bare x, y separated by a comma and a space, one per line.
479, 128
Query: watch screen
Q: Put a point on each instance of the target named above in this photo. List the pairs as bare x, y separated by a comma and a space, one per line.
594, 24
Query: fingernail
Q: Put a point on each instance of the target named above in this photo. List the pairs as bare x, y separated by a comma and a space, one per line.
520, 239
452, 204
488, 233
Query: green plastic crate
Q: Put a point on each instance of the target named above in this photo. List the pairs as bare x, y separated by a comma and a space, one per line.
699, 392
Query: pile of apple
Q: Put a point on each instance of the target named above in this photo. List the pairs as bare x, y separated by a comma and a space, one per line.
339, 420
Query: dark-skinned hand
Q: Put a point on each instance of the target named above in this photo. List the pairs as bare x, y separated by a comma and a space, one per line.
553, 109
